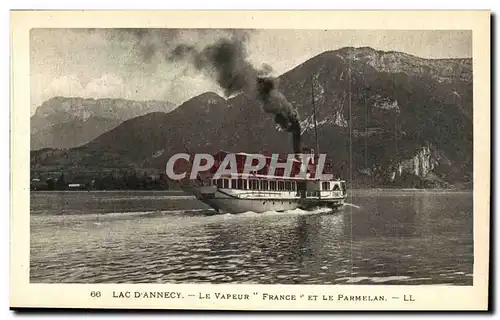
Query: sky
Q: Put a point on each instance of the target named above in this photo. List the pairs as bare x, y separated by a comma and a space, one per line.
132, 63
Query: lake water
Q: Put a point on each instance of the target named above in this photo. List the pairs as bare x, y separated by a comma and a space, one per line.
385, 237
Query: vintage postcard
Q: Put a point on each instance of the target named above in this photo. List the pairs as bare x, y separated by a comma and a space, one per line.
240, 160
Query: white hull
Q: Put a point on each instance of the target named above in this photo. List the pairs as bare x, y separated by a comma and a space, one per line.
248, 205
236, 201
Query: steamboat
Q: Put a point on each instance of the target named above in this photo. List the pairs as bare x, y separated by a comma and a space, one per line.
261, 192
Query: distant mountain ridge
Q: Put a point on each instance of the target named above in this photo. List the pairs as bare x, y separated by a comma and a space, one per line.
73, 133
383, 118
451, 69
63, 122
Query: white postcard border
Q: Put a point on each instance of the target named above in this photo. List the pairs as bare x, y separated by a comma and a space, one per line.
427, 297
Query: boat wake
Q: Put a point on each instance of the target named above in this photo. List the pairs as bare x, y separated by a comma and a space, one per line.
155, 197
352, 205
287, 212
105, 216
99, 218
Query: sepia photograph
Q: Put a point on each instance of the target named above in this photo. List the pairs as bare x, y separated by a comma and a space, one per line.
253, 156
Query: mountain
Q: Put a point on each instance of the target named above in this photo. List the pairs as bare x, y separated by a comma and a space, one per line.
441, 70
383, 118
69, 122
72, 134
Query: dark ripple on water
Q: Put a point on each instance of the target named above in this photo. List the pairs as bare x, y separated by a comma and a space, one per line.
382, 245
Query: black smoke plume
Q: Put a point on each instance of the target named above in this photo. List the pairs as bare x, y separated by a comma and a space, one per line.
226, 61
285, 115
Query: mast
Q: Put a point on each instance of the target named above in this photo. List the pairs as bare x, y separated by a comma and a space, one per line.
315, 119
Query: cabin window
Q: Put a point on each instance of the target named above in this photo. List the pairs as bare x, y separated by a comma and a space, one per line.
245, 184
325, 186
272, 185
233, 184
336, 187
239, 184
219, 183
264, 184
294, 185
254, 184
225, 183
288, 185
281, 185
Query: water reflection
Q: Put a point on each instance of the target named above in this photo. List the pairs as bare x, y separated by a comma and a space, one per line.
271, 248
